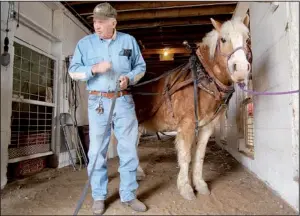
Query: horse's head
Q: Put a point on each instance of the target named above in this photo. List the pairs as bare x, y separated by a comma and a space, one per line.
228, 47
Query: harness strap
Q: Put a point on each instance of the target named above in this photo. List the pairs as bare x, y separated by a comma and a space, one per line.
161, 76
167, 95
193, 60
179, 75
170, 92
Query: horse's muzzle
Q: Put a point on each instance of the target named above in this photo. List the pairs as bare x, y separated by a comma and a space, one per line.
241, 67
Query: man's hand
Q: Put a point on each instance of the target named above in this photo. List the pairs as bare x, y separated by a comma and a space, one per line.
101, 67
124, 80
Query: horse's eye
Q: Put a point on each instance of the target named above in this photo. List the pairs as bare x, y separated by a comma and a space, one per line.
223, 40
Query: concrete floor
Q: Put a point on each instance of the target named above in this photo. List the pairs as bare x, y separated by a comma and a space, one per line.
233, 189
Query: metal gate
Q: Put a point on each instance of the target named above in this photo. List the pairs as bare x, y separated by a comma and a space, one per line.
33, 103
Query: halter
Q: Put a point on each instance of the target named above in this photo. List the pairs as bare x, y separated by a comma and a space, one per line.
246, 49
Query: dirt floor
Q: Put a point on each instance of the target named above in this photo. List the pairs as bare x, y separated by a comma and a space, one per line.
233, 190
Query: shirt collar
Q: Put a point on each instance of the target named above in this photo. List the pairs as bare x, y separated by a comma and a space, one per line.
114, 37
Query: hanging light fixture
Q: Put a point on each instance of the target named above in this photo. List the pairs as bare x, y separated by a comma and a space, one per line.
166, 55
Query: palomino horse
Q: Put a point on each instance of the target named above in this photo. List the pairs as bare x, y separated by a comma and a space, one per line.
224, 60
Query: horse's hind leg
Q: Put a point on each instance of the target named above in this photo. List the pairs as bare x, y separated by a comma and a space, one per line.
184, 142
198, 160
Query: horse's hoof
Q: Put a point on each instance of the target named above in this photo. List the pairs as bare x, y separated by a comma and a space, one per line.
187, 192
202, 188
203, 191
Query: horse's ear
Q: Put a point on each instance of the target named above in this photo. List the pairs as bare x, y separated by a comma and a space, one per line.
246, 20
216, 24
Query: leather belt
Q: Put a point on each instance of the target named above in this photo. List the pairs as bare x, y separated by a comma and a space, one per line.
109, 95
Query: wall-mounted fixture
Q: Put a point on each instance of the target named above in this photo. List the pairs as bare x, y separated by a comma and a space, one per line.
5, 57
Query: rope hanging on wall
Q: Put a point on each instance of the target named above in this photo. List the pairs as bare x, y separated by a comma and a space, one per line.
72, 89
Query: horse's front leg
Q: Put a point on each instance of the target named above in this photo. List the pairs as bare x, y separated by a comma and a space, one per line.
184, 142
198, 160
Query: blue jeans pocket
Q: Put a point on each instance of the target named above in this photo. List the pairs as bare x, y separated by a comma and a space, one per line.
93, 101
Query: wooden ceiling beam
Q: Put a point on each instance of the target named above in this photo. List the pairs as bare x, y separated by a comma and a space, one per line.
176, 40
174, 43
175, 30
168, 23
162, 46
163, 23
86, 8
176, 13
158, 38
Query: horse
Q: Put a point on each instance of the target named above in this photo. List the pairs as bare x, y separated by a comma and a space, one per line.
191, 98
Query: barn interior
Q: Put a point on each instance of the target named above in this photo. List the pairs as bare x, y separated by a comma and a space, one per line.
239, 180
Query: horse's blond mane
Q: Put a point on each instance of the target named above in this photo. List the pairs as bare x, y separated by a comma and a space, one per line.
234, 25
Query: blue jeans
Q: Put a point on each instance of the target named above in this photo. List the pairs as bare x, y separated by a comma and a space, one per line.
125, 126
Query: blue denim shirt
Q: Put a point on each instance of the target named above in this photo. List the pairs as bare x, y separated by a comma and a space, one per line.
122, 51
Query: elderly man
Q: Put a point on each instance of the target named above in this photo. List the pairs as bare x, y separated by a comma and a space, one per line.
101, 59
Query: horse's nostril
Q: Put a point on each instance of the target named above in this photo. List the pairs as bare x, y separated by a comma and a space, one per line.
234, 67
248, 67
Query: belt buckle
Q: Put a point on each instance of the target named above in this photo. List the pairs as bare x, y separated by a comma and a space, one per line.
121, 93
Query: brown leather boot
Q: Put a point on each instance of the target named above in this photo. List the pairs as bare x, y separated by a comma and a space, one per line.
98, 207
136, 205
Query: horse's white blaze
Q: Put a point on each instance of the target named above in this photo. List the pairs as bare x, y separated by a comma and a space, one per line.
238, 58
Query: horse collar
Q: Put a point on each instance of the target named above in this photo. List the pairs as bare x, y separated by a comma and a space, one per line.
222, 88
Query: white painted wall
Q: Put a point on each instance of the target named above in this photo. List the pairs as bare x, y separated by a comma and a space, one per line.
54, 30
6, 91
275, 47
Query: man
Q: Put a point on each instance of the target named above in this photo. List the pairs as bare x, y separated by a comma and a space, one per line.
101, 59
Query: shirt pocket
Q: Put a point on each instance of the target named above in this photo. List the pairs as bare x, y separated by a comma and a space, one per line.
124, 64
124, 59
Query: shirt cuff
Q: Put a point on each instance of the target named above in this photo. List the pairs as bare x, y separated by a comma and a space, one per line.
89, 73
